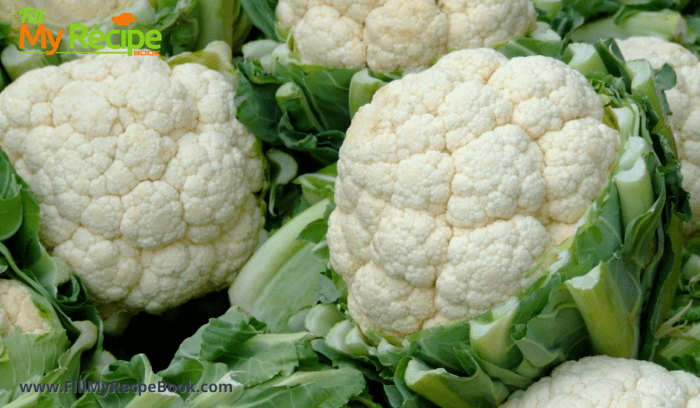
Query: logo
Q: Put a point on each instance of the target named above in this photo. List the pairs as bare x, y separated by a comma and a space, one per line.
118, 39
124, 19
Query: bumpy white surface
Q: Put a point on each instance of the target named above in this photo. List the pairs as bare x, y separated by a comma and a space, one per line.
606, 382
453, 181
145, 178
18, 310
684, 102
388, 35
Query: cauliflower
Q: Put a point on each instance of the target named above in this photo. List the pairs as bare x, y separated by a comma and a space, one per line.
17, 309
388, 35
684, 102
144, 177
453, 181
606, 382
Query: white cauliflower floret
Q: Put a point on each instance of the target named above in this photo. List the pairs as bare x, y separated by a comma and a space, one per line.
486, 265
144, 176
684, 102
388, 35
607, 382
18, 309
453, 181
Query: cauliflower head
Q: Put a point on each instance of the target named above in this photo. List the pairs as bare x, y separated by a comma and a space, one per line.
453, 181
17, 309
144, 177
684, 102
388, 35
607, 382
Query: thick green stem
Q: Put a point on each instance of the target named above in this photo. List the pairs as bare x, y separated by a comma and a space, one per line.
321, 318
642, 75
490, 339
255, 50
585, 59
611, 326
284, 167
215, 20
635, 148
628, 122
643, 82
292, 100
550, 7
544, 33
666, 24
17, 63
346, 338
635, 190
363, 86
222, 20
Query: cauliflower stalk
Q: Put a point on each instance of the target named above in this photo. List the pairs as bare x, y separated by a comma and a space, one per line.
145, 179
453, 181
684, 102
606, 382
388, 35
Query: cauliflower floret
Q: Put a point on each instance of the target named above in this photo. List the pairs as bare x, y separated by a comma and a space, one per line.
606, 382
17, 309
145, 179
388, 35
453, 181
684, 102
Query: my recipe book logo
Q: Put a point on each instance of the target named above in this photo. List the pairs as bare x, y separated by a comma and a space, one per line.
132, 40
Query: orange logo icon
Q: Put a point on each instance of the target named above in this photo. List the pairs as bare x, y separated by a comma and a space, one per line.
124, 19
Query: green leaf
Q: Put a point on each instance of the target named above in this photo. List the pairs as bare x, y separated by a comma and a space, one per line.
319, 185
449, 390
329, 388
262, 13
256, 102
132, 373
300, 106
10, 205
282, 276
